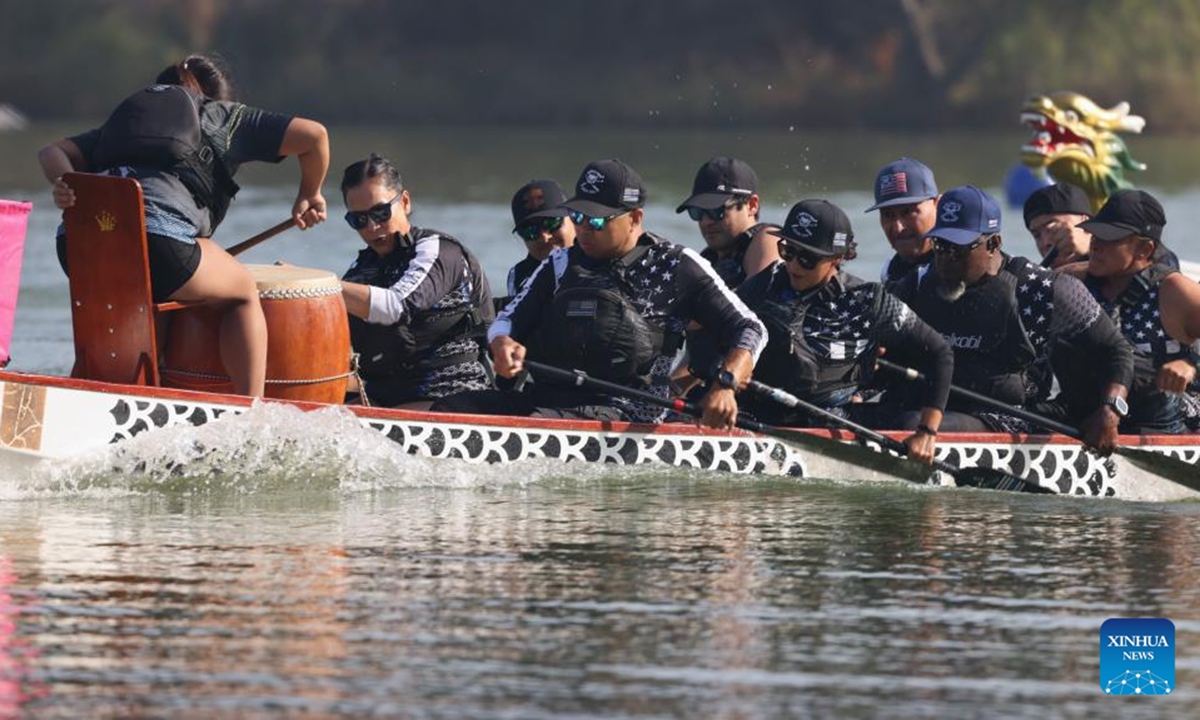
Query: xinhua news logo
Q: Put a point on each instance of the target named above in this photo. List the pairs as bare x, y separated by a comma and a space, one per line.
1137, 656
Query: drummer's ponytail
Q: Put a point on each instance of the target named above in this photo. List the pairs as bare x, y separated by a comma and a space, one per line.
204, 74
375, 166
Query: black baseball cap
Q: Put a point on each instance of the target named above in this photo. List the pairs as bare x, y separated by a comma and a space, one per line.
538, 199
1128, 212
819, 225
607, 187
717, 181
1057, 199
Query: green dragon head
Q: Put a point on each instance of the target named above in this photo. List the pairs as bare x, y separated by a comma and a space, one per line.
1076, 141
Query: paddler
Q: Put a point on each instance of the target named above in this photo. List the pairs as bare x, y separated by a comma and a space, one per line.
906, 196
418, 300
725, 206
540, 220
826, 326
1156, 307
999, 312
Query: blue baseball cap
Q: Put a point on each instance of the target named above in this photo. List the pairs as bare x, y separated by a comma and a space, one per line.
965, 213
903, 182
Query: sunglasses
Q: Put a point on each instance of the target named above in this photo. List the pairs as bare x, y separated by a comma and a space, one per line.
945, 247
717, 214
595, 223
531, 231
379, 214
789, 252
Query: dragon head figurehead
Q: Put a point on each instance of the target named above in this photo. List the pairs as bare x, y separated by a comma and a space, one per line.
1076, 141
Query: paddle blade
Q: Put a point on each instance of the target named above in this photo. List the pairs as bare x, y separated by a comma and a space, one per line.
1173, 469
875, 461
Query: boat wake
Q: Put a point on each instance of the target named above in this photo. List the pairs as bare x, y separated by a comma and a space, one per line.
275, 448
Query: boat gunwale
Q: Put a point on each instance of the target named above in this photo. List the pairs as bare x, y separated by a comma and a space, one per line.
509, 421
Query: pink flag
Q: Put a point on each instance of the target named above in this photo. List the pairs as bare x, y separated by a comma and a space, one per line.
13, 216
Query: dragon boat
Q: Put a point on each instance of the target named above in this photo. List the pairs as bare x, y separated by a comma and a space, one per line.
124, 386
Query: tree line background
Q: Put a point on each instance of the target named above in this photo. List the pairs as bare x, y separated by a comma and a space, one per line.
879, 64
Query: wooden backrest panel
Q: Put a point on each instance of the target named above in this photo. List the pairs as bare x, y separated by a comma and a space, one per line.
112, 310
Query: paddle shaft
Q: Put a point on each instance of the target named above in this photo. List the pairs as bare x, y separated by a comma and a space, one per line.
261, 237
786, 398
1022, 413
1050, 257
579, 378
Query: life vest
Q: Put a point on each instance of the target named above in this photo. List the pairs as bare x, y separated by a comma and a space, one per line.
387, 350
159, 127
732, 267
897, 267
992, 345
792, 362
592, 325
1136, 313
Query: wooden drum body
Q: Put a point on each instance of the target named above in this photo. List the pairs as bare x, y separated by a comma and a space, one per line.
308, 338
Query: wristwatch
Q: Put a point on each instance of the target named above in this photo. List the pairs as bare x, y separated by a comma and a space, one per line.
726, 379
1118, 404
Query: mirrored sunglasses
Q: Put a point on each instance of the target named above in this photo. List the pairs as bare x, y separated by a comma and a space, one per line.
533, 229
379, 214
595, 223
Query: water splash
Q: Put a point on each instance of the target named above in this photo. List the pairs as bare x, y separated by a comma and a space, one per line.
275, 448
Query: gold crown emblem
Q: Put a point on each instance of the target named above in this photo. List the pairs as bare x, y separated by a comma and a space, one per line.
106, 221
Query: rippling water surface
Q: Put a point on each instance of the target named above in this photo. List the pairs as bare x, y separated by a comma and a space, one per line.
316, 571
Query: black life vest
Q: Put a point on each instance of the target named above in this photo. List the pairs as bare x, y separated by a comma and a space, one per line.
732, 268
592, 325
789, 360
1136, 313
992, 346
388, 350
898, 267
159, 127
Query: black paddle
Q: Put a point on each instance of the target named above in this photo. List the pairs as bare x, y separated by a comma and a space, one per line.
973, 477
851, 454
1050, 257
1177, 471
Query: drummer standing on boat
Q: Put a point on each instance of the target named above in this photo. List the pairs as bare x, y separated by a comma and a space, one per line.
418, 300
825, 327
906, 197
184, 139
999, 312
615, 305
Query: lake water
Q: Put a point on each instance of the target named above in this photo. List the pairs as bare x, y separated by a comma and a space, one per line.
307, 569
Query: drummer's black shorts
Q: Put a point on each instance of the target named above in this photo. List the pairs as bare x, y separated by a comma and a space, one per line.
172, 263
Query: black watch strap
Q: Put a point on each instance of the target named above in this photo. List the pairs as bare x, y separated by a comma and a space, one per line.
1118, 404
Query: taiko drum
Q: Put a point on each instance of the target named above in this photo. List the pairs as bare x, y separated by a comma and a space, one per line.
308, 338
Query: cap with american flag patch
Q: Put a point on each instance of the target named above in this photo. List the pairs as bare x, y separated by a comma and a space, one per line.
903, 182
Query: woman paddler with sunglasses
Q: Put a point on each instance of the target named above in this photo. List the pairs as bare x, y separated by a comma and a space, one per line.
419, 303
184, 139
826, 326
